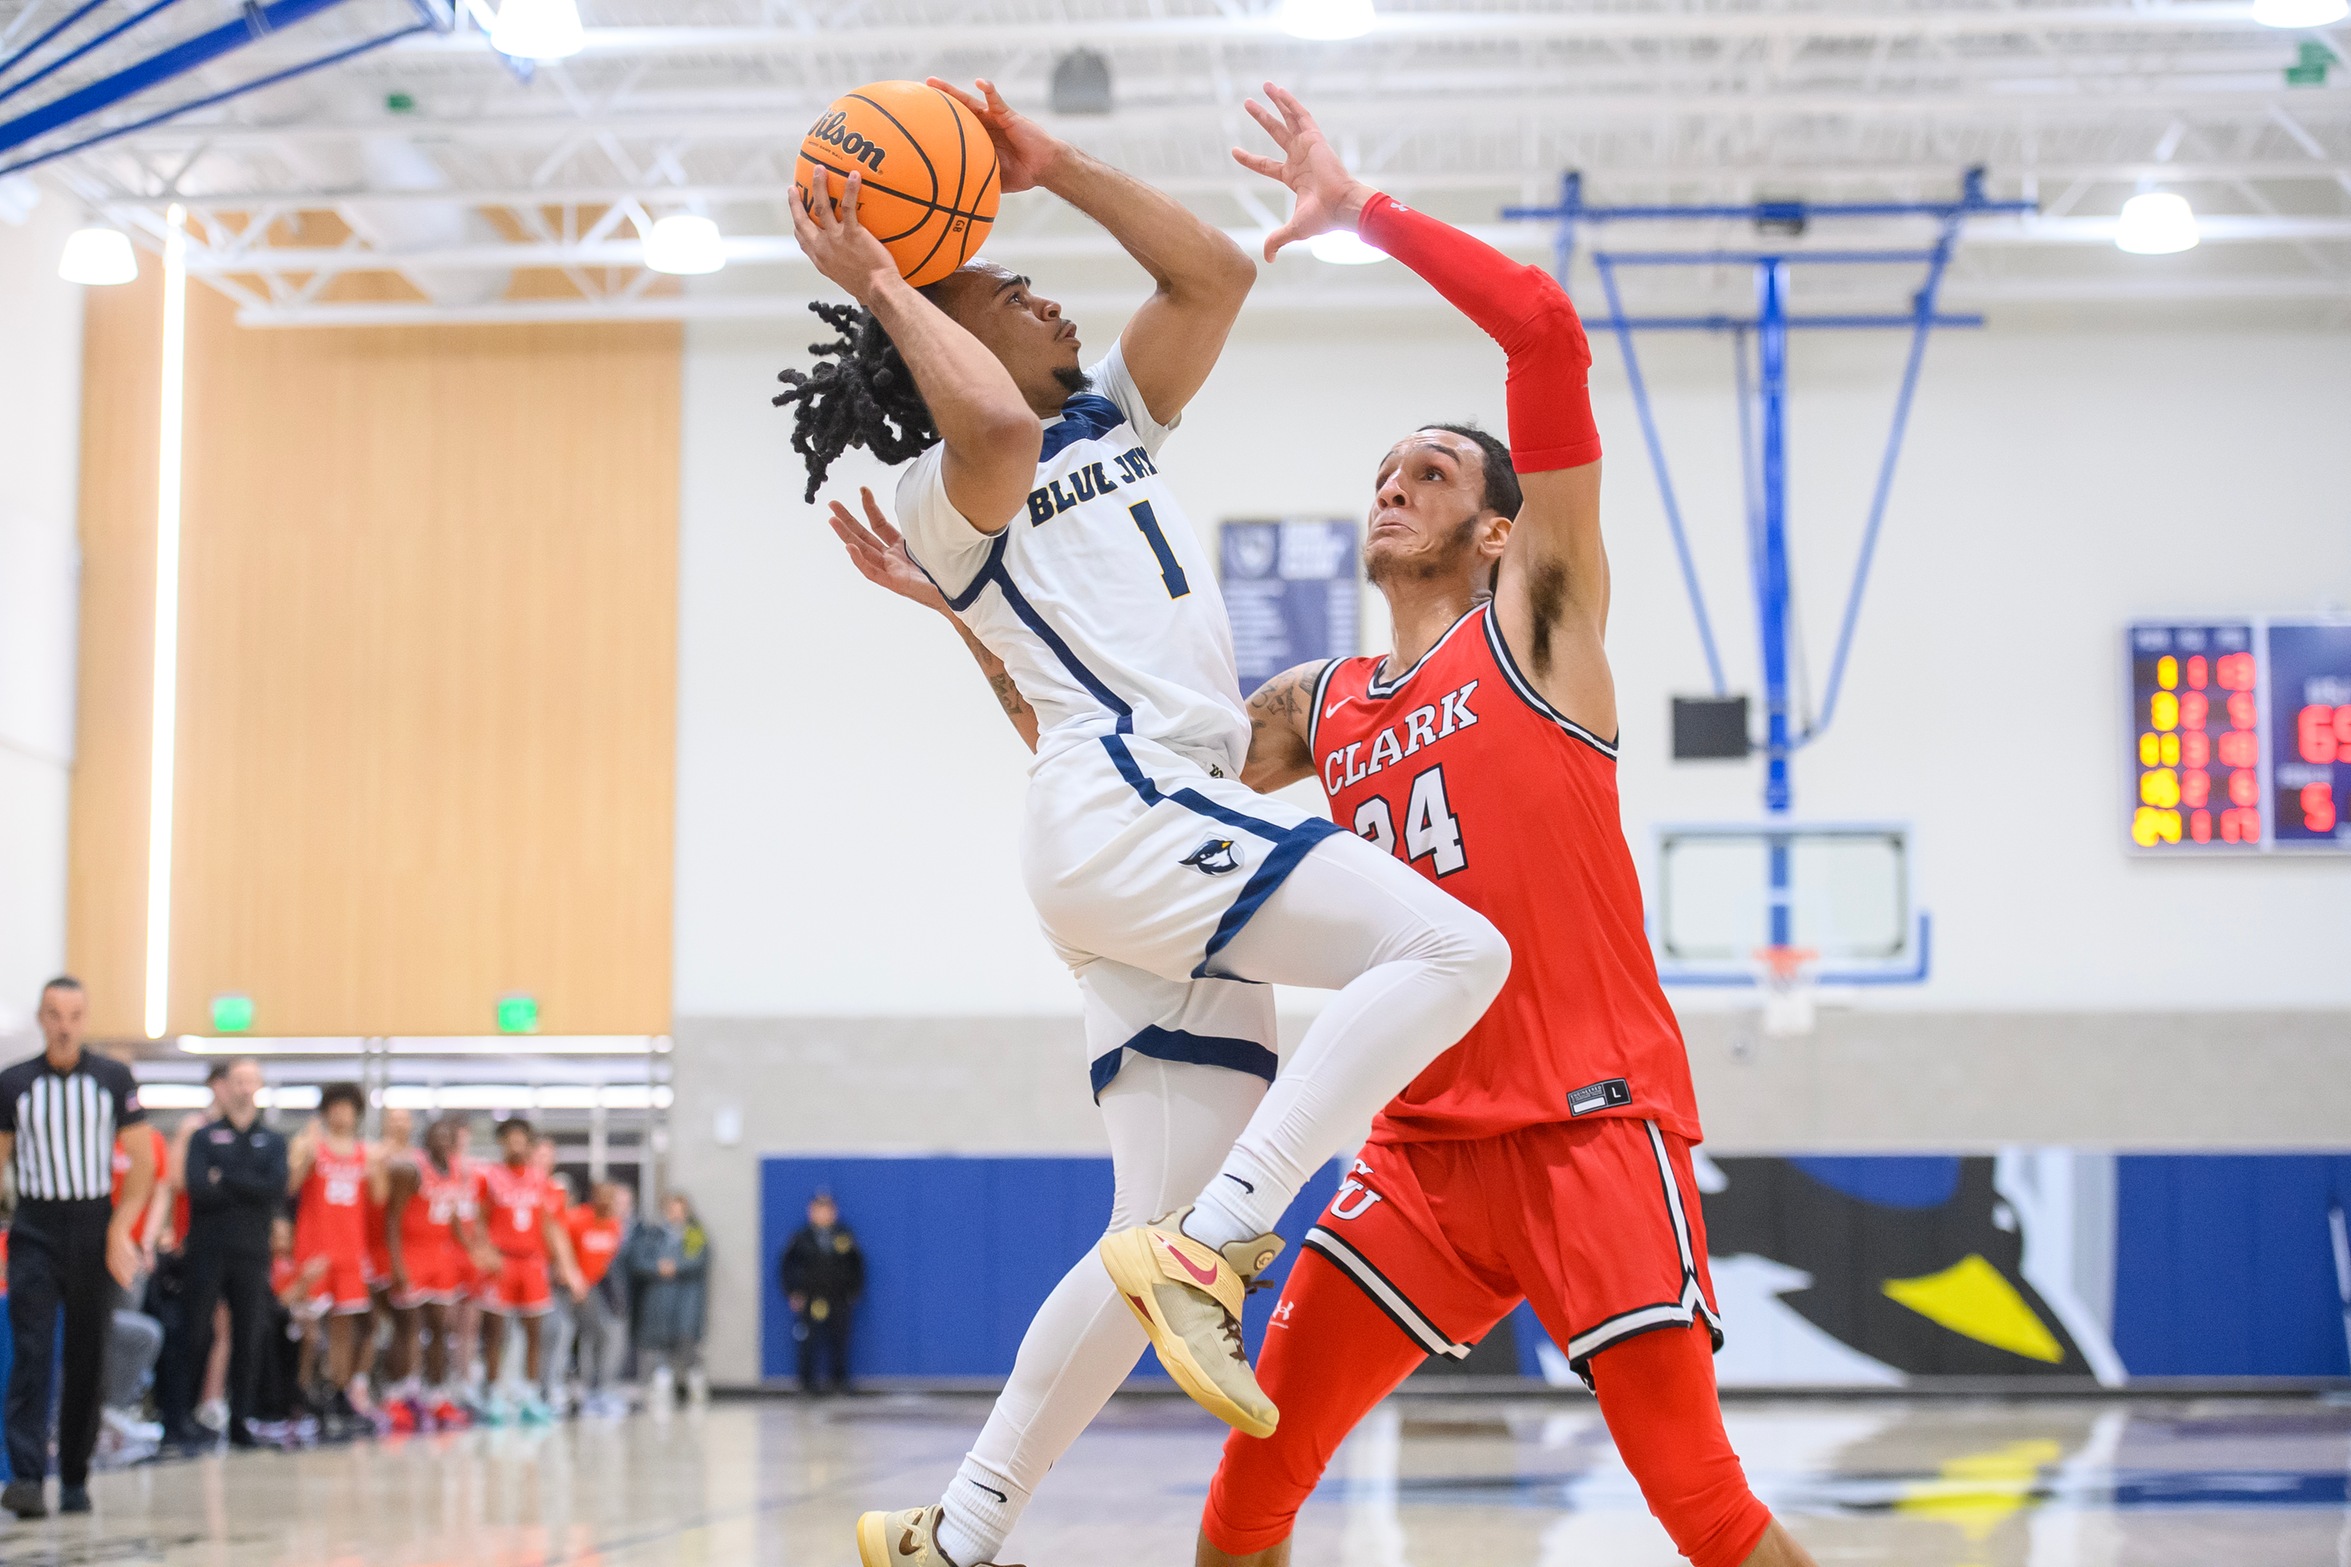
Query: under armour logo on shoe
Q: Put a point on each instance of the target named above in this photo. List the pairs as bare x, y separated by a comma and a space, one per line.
1213, 858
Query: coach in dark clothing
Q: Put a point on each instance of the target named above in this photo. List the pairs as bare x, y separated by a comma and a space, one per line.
71, 1247
823, 1274
236, 1179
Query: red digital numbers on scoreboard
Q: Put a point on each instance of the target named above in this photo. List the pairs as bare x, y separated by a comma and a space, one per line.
2240, 736
2309, 685
2196, 740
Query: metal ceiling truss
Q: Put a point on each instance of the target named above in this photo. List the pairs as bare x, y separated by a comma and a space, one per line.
494, 199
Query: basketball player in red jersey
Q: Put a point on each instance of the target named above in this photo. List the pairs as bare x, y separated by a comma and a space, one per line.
330, 1170
433, 1239
1545, 1156
525, 1214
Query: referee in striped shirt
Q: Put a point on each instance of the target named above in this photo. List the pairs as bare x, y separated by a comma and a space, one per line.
70, 1246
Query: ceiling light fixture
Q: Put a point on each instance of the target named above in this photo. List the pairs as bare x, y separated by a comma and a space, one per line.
538, 29
2156, 223
1326, 20
1344, 248
685, 244
98, 256
2300, 13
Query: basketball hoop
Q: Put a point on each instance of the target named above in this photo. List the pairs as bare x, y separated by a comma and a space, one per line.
1787, 990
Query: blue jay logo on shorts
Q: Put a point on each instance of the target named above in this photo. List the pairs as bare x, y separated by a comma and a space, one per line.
1213, 858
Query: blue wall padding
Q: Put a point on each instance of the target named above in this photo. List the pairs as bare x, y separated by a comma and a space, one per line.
1889, 1180
960, 1253
2224, 1265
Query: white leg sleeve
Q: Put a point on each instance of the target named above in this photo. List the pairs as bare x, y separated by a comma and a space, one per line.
1170, 1123
1413, 970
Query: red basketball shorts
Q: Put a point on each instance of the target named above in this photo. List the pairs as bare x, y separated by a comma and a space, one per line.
436, 1277
1595, 1223
342, 1289
517, 1289
1427, 1245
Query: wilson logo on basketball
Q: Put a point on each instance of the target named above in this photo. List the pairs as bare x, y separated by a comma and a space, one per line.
833, 130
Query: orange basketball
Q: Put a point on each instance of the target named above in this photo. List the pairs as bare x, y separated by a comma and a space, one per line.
930, 186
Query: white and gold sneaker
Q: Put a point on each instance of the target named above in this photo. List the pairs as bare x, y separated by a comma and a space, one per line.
1188, 1298
905, 1539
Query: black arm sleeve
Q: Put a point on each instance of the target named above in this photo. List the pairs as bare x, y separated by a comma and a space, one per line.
205, 1195
125, 1091
795, 1264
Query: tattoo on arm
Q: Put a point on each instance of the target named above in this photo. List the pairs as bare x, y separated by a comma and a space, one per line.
1281, 716
1008, 697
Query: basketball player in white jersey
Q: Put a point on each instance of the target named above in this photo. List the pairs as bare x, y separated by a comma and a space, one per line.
1176, 894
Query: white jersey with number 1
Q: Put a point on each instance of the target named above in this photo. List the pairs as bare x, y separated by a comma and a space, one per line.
1140, 847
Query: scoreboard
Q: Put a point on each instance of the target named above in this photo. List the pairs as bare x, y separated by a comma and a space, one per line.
2240, 739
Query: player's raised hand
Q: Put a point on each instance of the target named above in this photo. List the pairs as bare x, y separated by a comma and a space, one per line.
1025, 150
842, 248
1324, 195
878, 551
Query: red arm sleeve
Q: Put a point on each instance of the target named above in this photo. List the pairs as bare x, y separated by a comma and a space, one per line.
1520, 307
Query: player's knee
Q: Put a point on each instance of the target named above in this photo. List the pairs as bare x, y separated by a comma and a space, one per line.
1480, 956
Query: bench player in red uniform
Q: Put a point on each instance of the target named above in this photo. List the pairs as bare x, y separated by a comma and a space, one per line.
330, 1170
433, 1244
524, 1211
1546, 1156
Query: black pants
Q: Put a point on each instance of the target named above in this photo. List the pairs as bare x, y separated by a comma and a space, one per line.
209, 1276
824, 1347
57, 1260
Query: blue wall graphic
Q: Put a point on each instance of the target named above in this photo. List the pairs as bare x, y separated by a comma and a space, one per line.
2223, 1264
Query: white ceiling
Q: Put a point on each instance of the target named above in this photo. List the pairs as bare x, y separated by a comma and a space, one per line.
1462, 107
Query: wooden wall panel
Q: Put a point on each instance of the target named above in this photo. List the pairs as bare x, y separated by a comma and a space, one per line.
428, 676
106, 854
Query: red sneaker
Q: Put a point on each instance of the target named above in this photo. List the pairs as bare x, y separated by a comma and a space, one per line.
448, 1415
402, 1416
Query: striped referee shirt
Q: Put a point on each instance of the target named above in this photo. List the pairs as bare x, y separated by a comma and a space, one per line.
64, 1124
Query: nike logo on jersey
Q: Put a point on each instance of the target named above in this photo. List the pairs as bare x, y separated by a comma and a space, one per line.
1423, 726
1213, 858
1087, 481
1335, 706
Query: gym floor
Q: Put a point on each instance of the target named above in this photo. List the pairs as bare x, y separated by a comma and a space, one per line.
1427, 1482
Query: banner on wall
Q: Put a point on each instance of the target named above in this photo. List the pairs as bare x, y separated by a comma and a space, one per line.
1290, 586
2077, 1266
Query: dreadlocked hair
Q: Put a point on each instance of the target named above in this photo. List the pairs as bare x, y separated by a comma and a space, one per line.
859, 394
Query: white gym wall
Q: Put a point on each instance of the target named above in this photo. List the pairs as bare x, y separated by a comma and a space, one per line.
40, 409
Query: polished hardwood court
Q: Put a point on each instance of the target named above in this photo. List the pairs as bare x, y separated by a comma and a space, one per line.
1427, 1482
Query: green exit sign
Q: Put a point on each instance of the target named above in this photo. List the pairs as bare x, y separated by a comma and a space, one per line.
232, 1014
518, 1014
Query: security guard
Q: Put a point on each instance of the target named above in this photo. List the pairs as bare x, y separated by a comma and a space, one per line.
823, 1274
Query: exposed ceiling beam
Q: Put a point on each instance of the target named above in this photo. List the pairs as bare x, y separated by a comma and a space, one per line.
1413, 28
1532, 239
793, 307
1936, 176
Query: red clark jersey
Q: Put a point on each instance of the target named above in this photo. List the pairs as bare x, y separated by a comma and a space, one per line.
517, 1204
1461, 769
332, 1217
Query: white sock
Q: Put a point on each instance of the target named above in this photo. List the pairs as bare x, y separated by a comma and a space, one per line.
978, 1510
1413, 970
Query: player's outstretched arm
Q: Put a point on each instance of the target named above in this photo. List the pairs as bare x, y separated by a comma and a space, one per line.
1552, 590
878, 551
991, 434
1173, 341
1281, 719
